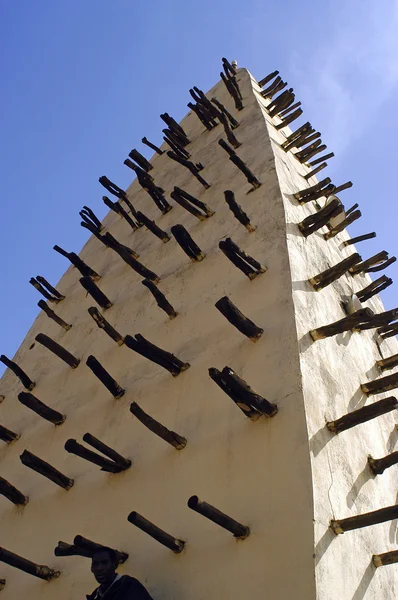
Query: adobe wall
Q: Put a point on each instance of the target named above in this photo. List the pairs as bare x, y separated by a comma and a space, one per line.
258, 472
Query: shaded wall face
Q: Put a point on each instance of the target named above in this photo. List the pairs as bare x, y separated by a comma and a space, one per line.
258, 472
332, 371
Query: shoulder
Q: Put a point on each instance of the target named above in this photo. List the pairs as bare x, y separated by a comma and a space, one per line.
135, 586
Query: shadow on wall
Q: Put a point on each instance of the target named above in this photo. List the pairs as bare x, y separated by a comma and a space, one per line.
363, 477
365, 582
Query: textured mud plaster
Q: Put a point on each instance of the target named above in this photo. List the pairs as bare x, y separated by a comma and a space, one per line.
259, 473
332, 371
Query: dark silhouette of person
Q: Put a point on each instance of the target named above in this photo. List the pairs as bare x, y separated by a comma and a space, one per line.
113, 586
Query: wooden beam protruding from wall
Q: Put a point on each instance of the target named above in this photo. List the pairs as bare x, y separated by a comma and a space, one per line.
52, 315
213, 514
316, 171
381, 319
388, 363
27, 566
238, 162
319, 219
140, 160
268, 78
191, 204
314, 192
119, 210
156, 533
233, 89
387, 558
238, 319
77, 262
327, 277
289, 119
160, 298
379, 465
41, 409
360, 238
147, 183
83, 547
44, 468
171, 437
233, 122
349, 323
112, 188
58, 350
8, 436
44, 292
365, 520
153, 228
95, 292
107, 380
238, 211
250, 403
106, 464
174, 126
91, 218
378, 386
12, 493
356, 214
362, 415
168, 361
186, 242
367, 266
105, 325
152, 146
192, 167
373, 288
244, 262
16, 369
388, 331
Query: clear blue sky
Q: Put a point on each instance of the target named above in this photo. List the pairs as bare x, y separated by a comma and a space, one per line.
83, 82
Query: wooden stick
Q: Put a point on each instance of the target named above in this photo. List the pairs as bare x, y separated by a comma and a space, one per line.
388, 363
73, 447
174, 126
92, 216
8, 436
327, 277
117, 458
64, 549
233, 89
29, 400
105, 325
277, 86
179, 150
42, 290
268, 78
22, 376
288, 110
238, 162
373, 288
153, 228
379, 465
89, 546
150, 145
12, 494
40, 571
202, 115
321, 159
377, 386
307, 127
171, 437
129, 257
177, 139
301, 155
165, 359
238, 211
112, 187
309, 191
301, 140
234, 123
95, 366
190, 166
51, 314
362, 415
364, 520
383, 266
186, 242
290, 118
189, 202
58, 350
388, 558
95, 292
140, 160
119, 210
213, 514
315, 171
343, 224
40, 466
282, 101
156, 533
388, 331
360, 238
77, 262
50, 288
245, 263
318, 220
349, 323
228, 131
373, 260
381, 319
250, 403
160, 298
238, 319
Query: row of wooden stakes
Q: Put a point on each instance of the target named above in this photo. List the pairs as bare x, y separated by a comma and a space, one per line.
86, 548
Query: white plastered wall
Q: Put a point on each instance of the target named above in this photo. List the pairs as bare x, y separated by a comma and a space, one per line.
259, 473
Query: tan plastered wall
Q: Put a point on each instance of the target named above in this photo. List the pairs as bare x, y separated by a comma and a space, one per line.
259, 473
332, 371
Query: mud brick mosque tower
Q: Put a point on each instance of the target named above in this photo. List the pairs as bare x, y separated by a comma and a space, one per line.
210, 387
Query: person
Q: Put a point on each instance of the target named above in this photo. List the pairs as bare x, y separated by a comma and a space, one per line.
113, 586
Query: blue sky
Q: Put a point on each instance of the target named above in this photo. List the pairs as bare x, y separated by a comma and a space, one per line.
83, 82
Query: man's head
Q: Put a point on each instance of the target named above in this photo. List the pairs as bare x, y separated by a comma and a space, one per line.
103, 565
